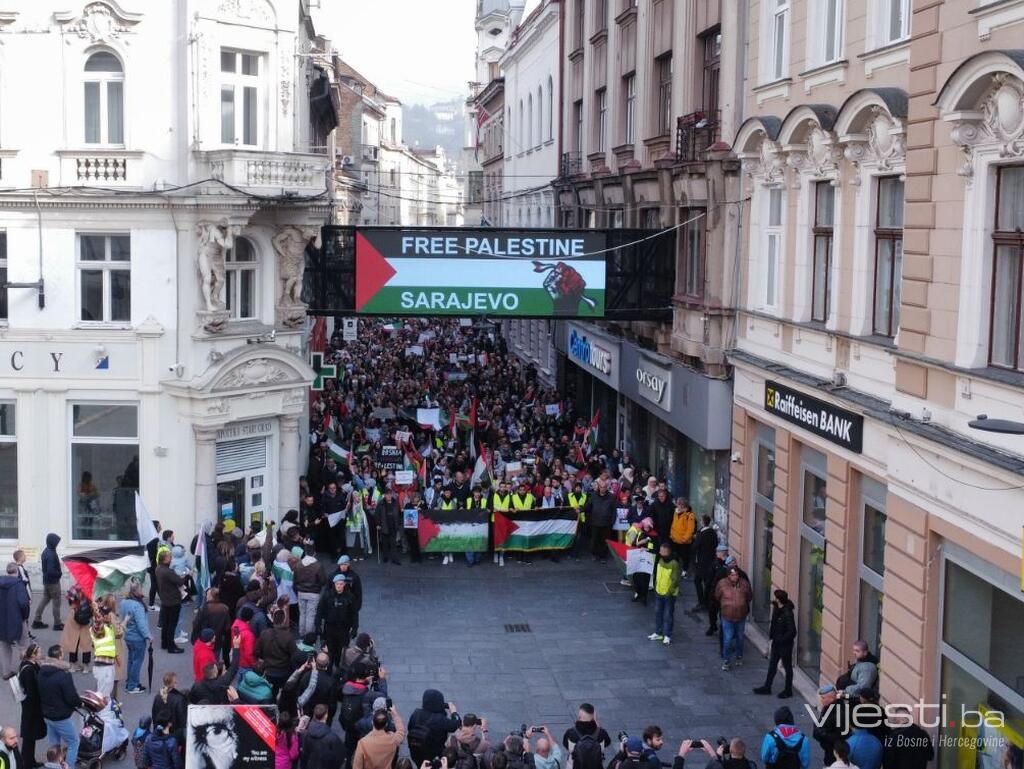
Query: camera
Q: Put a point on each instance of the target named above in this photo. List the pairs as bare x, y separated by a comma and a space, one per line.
722, 742
622, 736
388, 702
537, 730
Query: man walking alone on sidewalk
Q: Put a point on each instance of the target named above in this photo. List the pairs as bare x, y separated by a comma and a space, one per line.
782, 634
51, 583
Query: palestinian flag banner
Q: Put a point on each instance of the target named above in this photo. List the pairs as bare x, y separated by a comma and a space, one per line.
552, 528
453, 531
106, 569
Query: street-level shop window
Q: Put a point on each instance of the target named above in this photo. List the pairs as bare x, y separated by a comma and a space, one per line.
812, 561
8, 473
3, 275
239, 97
824, 219
104, 99
104, 470
104, 278
764, 522
888, 255
241, 273
872, 563
1007, 273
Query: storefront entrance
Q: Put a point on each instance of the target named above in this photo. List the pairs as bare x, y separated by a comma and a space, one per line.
242, 475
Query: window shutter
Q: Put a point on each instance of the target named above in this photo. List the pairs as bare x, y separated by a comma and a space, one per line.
238, 456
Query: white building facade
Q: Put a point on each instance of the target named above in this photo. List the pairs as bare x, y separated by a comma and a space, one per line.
155, 217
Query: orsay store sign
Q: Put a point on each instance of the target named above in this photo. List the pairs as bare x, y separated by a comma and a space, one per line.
654, 383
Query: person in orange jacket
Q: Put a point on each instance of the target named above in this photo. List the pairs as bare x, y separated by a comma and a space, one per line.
682, 532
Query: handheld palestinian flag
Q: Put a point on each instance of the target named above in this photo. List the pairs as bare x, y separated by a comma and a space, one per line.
590, 437
106, 569
552, 528
453, 531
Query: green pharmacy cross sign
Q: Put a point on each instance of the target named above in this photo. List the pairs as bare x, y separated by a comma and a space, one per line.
494, 272
323, 371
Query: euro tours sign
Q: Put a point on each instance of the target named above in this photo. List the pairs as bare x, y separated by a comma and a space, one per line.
510, 273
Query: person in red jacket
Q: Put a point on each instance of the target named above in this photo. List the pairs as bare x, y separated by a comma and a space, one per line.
240, 627
203, 653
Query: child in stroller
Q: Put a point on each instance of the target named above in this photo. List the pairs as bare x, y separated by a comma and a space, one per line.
103, 732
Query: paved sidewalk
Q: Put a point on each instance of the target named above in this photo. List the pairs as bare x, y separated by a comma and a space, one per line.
445, 628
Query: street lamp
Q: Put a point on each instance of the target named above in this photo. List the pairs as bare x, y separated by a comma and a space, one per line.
1007, 426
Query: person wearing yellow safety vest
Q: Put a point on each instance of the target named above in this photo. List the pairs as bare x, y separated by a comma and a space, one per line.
476, 501
446, 502
103, 634
577, 500
501, 503
640, 534
523, 500
666, 590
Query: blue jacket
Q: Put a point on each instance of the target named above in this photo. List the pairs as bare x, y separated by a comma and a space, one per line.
57, 693
865, 749
14, 607
791, 736
136, 620
161, 752
50, 562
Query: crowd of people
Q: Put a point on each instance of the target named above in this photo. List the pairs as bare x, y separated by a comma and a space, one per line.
279, 620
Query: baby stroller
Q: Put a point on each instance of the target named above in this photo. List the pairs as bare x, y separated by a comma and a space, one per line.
103, 732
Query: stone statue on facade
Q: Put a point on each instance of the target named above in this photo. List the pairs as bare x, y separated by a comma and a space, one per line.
215, 238
290, 243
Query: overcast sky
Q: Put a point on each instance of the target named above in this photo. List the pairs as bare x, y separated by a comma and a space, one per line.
420, 51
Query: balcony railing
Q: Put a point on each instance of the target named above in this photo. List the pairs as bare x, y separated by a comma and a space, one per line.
298, 172
572, 164
101, 167
694, 134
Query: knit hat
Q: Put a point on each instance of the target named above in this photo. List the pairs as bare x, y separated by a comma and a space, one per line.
634, 746
340, 578
380, 704
229, 525
298, 552
730, 561
783, 716
827, 688
363, 641
722, 549
344, 559
207, 635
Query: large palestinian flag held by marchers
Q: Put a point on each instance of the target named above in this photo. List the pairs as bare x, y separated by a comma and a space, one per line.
552, 528
453, 531
106, 569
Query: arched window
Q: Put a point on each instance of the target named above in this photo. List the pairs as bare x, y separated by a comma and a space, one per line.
104, 99
540, 116
551, 108
240, 273
529, 121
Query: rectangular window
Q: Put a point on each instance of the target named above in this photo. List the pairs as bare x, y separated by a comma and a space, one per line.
581, 14
824, 216
601, 15
872, 562
712, 44
239, 98
663, 67
601, 119
772, 246
895, 20
832, 17
764, 523
8, 473
693, 253
3, 275
629, 108
577, 111
104, 471
104, 277
92, 113
888, 255
779, 39
1008, 242
812, 561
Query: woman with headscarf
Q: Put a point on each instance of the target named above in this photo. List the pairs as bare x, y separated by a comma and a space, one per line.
33, 727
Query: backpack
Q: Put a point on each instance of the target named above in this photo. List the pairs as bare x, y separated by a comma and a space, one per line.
789, 756
351, 711
587, 753
139, 742
83, 612
417, 736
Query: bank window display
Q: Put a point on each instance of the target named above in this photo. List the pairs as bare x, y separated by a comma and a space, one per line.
872, 565
8, 473
982, 652
814, 471
104, 470
764, 522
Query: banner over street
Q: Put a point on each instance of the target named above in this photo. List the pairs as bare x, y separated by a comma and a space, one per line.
510, 273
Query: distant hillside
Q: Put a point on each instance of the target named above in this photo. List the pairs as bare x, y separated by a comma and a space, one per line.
438, 124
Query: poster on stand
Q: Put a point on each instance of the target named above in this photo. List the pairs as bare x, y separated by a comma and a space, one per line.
231, 736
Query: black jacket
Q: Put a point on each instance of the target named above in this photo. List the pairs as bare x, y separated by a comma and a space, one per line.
704, 546
389, 516
177, 705
57, 693
835, 724
336, 612
600, 509
907, 747
435, 723
782, 629
214, 691
321, 748
275, 647
32, 725
50, 561
661, 513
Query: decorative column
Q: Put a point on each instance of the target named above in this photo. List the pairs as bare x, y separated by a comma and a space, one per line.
206, 475
288, 462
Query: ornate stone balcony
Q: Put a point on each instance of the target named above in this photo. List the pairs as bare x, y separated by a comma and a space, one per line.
268, 173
